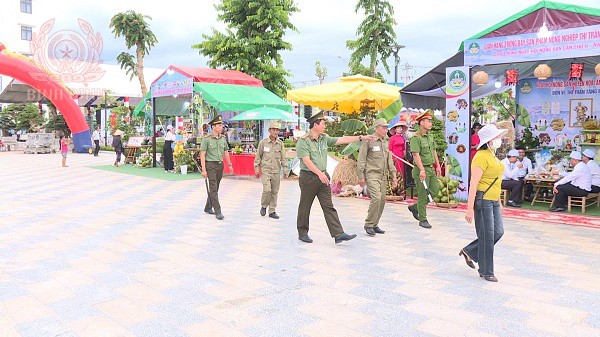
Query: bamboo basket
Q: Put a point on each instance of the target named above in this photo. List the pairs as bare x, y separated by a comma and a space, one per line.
446, 204
394, 197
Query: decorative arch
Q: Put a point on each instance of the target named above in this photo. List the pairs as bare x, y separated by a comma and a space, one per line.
25, 70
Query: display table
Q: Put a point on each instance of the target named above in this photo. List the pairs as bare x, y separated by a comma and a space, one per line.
538, 184
243, 164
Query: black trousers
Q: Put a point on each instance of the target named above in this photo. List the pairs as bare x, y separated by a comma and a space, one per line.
566, 190
97, 148
168, 160
595, 189
528, 187
515, 187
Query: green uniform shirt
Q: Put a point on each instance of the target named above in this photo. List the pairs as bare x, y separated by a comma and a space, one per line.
214, 147
374, 159
424, 146
316, 149
270, 156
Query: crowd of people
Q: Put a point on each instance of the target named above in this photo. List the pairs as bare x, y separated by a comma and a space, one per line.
382, 156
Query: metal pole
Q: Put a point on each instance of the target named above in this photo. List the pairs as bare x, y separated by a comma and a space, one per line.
105, 122
153, 131
396, 68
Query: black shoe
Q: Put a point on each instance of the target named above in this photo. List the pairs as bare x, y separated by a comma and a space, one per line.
209, 211
414, 211
306, 239
370, 230
378, 230
263, 211
424, 224
274, 215
220, 216
512, 204
557, 209
344, 237
490, 278
468, 259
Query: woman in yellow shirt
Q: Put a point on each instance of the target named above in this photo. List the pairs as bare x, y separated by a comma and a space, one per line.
486, 179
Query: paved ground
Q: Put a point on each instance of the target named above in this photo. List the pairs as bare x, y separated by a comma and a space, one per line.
85, 252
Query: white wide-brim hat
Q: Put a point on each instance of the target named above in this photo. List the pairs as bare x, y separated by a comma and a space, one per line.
118, 133
513, 153
489, 132
589, 153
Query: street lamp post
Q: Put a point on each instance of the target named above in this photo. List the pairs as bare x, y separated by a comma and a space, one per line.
395, 49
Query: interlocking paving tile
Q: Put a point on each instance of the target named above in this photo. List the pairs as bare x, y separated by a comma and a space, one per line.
85, 252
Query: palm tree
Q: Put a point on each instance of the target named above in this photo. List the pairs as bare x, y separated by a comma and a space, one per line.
136, 30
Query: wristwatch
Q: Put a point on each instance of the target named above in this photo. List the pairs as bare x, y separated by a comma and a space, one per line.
360, 138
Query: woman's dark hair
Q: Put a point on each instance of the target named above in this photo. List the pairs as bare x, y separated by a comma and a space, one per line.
475, 125
483, 147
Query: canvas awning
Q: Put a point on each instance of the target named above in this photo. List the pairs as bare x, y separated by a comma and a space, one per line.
224, 97
229, 97
209, 75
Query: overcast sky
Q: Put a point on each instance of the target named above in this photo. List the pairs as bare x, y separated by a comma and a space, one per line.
431, 30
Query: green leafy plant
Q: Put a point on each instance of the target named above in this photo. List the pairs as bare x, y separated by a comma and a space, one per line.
253, 40
184, 158
527, 140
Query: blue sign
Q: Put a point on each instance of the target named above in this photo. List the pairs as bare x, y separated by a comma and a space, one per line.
564, 43
172, 83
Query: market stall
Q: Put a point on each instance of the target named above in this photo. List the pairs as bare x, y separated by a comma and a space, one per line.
547, 55
195, 95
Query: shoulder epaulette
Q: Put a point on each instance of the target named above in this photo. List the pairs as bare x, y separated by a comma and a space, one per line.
306, 135
207, 136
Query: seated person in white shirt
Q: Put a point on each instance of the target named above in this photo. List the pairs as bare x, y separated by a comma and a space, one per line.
523, 171
588, 159
577, 183
510, 179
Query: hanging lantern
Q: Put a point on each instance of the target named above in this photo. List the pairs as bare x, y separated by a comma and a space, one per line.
542, 72
576, 71
597, 69
512, 76
480, 77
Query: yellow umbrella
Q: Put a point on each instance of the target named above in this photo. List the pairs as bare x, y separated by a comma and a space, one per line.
347, 94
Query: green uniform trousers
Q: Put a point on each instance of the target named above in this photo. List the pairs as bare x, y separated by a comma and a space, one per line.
270, 183
432, 184
214, 170
377, 187
311, 187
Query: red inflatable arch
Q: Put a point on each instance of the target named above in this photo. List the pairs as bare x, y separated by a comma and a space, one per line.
25, 70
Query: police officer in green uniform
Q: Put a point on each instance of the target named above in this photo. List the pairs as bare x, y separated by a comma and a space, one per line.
422, 148
312, 149
374, 163
270, 158
212, 148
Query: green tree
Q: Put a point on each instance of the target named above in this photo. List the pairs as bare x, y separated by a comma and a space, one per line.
320, 71
7, 121
57, 123
136, 30
26, 116
375, 35
253, 40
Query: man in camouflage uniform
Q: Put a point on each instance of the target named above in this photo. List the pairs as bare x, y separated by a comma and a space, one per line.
374, 162
212, 149
422, 148
312, 150
270, 158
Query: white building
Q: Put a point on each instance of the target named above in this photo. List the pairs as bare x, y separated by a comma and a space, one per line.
18, 20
